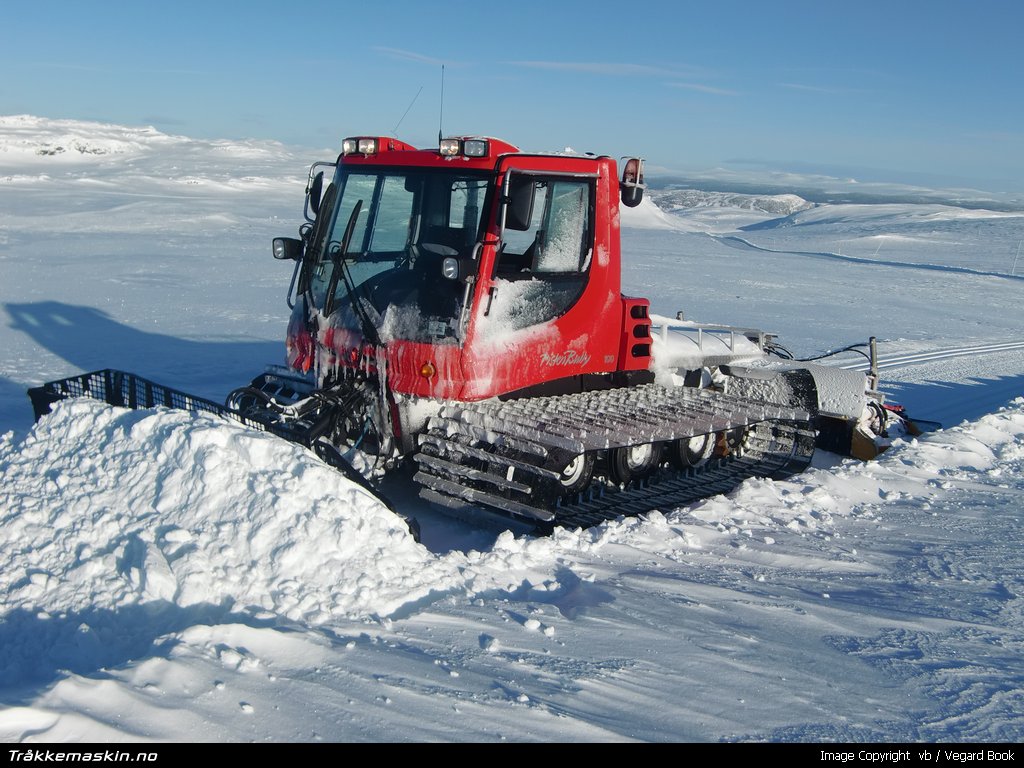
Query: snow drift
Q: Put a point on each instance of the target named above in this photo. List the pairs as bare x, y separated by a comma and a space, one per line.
107, 507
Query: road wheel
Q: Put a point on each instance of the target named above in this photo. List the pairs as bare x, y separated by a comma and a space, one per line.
633, 462
692, 451
575, 476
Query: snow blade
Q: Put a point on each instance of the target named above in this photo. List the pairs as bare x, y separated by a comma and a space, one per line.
126, 390
123, 390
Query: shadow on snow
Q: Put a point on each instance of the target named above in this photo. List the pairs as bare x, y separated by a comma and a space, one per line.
952, 402
37, 649
89, 339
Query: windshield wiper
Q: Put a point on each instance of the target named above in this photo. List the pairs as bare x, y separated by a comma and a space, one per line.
341, 270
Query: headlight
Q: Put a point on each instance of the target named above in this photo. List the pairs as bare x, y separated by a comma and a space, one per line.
449, 147
464, 147
359, 146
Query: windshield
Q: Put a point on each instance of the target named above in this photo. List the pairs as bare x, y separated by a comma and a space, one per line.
408, 221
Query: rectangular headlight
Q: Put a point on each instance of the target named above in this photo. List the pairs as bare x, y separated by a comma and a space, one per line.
450, 147
474, 148
367, 146
349, 146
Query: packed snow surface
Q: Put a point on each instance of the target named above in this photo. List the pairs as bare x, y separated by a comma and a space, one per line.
138, 581
171, 577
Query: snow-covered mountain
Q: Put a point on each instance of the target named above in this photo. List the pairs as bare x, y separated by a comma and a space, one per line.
29, 140
170, 577
672, 199
25, 139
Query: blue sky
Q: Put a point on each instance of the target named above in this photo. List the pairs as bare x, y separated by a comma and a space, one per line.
926, 92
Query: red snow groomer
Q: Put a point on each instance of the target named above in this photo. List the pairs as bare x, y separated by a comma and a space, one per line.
459, 309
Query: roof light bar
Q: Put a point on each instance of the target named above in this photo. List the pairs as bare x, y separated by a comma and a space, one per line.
464, 147
359, 146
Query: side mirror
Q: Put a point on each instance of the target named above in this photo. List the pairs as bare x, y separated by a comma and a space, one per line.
519, 205
632, 185
314, 191
287, 248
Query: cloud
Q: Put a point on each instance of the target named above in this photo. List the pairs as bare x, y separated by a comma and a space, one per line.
811, 88
703, 88
398, 53
600, 68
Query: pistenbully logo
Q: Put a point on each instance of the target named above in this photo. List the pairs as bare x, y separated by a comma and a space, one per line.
569, 357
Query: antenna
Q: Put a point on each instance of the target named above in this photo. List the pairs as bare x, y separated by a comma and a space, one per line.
440, 116
394, 131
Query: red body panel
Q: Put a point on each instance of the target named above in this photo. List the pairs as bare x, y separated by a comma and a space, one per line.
408, 364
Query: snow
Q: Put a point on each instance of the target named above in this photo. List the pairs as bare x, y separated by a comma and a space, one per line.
647, 215
169, 577
155, 513
523, 305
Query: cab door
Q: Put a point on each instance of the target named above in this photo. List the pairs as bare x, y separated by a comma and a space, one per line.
547, 306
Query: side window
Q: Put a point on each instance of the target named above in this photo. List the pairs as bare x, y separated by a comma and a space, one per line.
556, 240
545, 250
518, 240
562, 246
